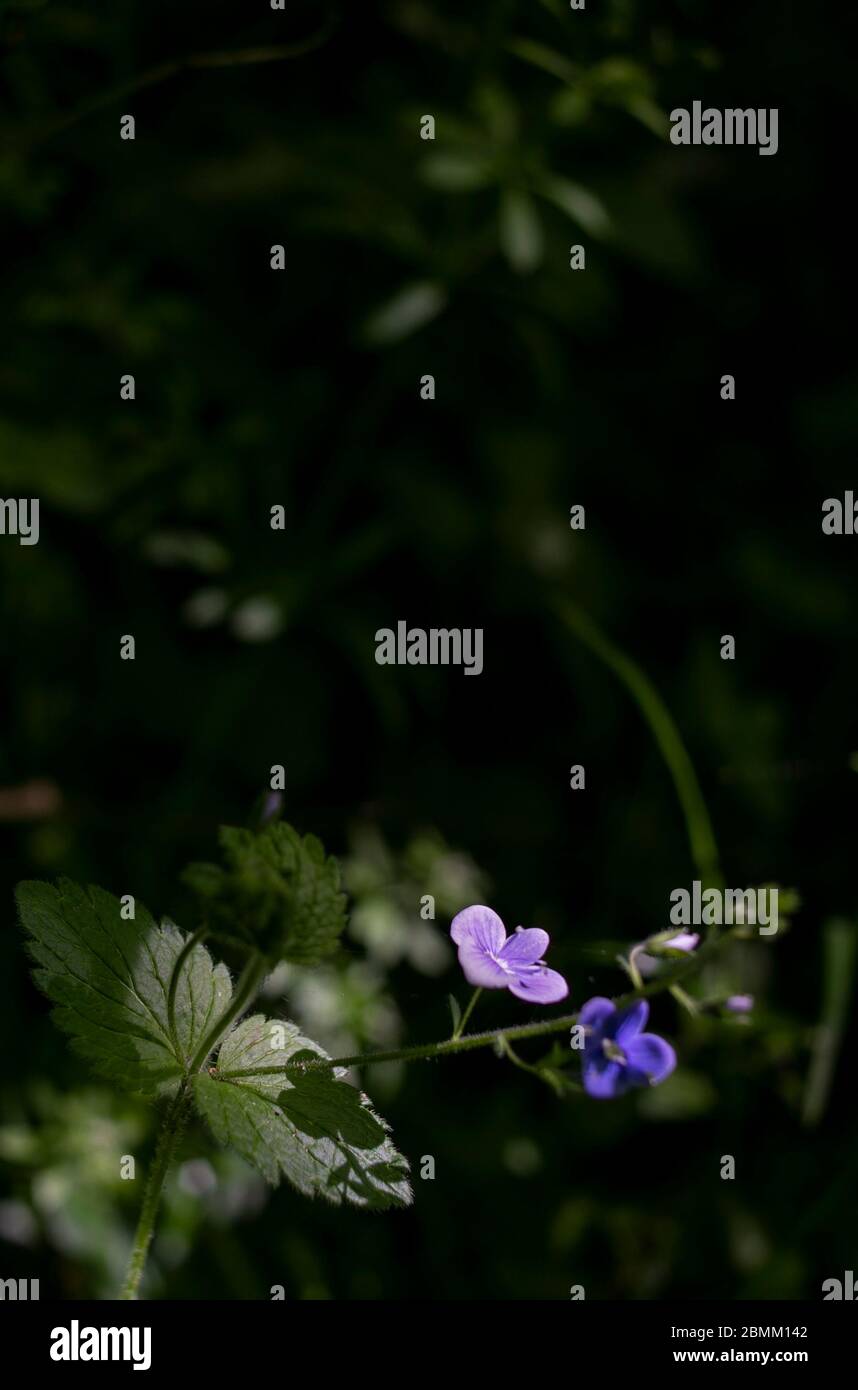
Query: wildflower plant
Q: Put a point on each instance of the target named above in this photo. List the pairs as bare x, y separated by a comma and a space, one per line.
152, 1011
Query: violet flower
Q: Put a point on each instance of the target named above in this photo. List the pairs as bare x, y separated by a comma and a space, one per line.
684, 941
739, 1003
493, 960
647, 964
617, 1054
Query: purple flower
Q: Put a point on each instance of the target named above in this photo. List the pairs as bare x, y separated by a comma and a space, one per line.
739, 1003
493, 960
647, 964
617, 1055
684, 941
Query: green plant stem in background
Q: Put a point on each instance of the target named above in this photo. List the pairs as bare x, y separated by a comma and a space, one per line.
164, 1152
690, 1005
704, 850
240, 57
248, 983
840, 954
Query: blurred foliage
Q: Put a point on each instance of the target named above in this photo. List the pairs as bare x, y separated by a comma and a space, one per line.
255, 647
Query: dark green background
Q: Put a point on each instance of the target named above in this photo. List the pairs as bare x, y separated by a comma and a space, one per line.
553, 388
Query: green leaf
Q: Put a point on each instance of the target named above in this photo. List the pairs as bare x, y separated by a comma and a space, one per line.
275, 891
520, 231
186, 549
546, 58
109, 979
683, 1096
649, 115
310, 1127
410, 309
497, 112
457, 172
455, 1011
579, 204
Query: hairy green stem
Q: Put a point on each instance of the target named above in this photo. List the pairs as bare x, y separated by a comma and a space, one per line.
704, 850
450, 1046
164, 1151
249, 981
246, 987
418, 1053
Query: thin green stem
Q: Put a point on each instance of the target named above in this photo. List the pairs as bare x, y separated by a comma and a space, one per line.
550, 1075
152, 77
415, 1054
510, 1052
249, 981
459, 1030
704, 850
199, 936
631, 965
164, 1152
840, 956
450, 1046
690, 1005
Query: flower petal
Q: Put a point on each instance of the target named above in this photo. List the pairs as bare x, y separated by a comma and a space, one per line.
650, 1054
525, 947
481, 969
629, 1023
538, 985
481, 926
604, 1079
685, 941
596, 1012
